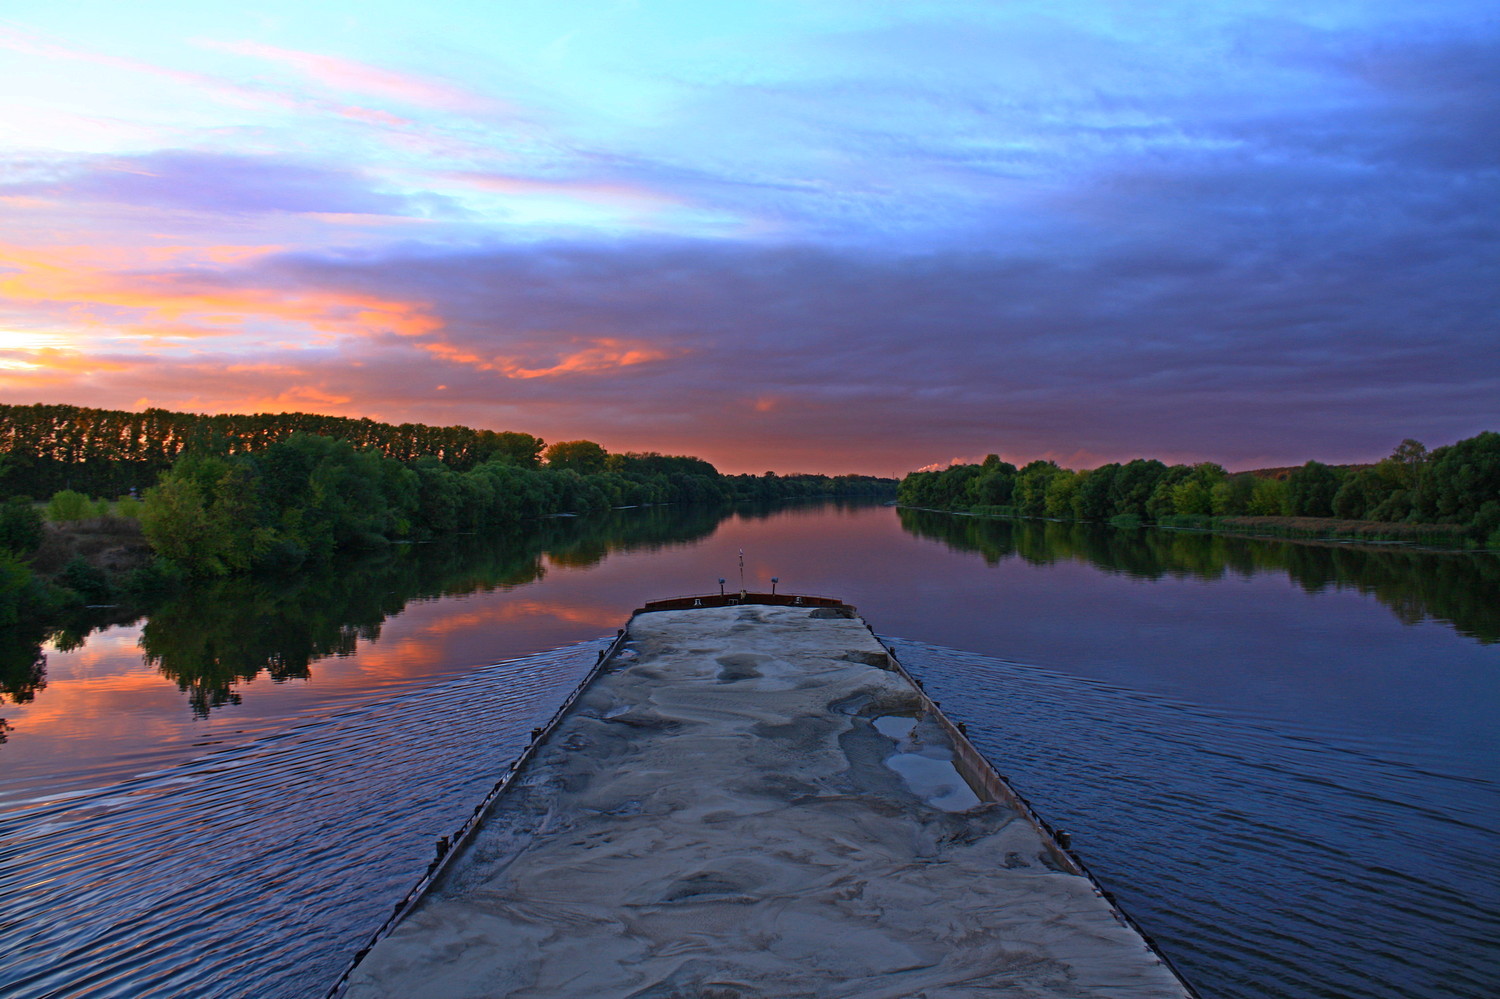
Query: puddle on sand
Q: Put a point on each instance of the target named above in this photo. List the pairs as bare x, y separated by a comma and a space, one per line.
926, 769
896, 727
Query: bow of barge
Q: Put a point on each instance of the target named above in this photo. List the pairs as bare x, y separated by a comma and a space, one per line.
750, 797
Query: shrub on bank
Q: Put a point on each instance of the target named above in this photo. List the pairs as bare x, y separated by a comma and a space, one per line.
1368, 530
22, 594
20, 526
66, 506
1187, 521
86, 580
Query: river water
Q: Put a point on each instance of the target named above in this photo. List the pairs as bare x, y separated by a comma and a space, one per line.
1280, 757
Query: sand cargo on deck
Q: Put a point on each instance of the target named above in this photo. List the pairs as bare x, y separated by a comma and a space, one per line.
749, 797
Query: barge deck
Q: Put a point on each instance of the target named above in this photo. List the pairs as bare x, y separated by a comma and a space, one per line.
751, 798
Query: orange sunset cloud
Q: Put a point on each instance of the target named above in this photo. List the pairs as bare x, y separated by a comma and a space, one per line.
604, 354
79, 282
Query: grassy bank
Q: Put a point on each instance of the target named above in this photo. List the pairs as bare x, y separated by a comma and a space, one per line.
1448, 536
1332, 529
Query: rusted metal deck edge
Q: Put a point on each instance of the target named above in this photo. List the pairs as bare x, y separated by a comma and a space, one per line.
982, 777
991, 785
737, 598
449, 847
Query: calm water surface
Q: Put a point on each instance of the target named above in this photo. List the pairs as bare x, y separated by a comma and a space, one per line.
1280, 757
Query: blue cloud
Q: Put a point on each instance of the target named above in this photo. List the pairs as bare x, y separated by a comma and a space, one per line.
214, 182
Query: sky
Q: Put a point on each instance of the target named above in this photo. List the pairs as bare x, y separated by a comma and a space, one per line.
812, 235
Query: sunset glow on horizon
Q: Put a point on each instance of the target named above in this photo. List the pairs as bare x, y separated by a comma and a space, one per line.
827, 236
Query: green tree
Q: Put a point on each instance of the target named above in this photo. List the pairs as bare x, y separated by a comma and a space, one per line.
175, 521
1062, 493
1233, 496
1407, 464
1032, 482
917, 489
1463, 486
584, 457
205, 516
1310, 490
1163, 501
1195, 494
1267, 498
953, 484
996, 483
22, 595
1360, 492
21, 529
1094, 488
1131, 488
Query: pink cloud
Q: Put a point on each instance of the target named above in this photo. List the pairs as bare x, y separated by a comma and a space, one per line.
92, 287
338, 73
249, 96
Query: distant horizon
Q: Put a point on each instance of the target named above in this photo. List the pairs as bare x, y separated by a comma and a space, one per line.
728, 468
777, 235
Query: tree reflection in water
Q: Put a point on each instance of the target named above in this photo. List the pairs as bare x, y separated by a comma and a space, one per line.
223, 635
219, 634
1461, 589
23, 667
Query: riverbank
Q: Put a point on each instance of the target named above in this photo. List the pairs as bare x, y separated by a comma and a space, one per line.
1449, 496
1437, 536
1434, 537
115, 546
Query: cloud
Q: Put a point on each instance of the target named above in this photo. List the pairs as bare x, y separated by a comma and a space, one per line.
1153, 346
84, 289
192, 83
1246, 240
339, 73
868, 359
216, 182
605, 192
571, 356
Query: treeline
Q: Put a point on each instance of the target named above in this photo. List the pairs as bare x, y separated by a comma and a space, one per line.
1451, 587
109, 452
233, 504
1455, 489
302, 498
104, 453
771, 486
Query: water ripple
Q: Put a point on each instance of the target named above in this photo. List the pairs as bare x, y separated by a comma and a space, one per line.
258, 870
1266, 864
